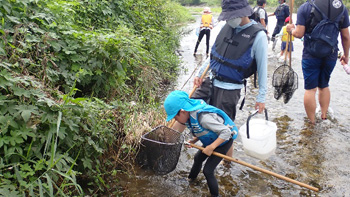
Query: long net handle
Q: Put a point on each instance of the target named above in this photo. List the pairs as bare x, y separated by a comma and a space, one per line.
259, 169
286, 51
172, 122
202, 77
291, 4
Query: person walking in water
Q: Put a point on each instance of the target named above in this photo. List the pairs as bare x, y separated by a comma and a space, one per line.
239, 51
281, 13
209, 125
318, 20
207, 24
284, 38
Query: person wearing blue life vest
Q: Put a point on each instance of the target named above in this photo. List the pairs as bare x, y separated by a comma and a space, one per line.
318, 20
209, 125
281, 13
239, 51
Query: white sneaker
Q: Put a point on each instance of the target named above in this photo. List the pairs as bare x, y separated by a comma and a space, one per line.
281, 59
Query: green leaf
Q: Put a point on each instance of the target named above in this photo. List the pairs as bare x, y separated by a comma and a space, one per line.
32, 38
14, 19
25, 132
15, 138
7, 192
49, 182
41, 193
99, 72
2, 51
12, 46
21, 92
26, 115
25, 167
87, 163
8, 10
8, 120
56, 45
26, 111
39, 165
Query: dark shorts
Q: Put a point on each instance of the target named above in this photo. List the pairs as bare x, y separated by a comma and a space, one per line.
203, 92
226, 100
284, 44
317, 72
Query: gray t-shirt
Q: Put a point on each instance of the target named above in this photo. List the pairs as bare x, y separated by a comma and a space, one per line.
215, 123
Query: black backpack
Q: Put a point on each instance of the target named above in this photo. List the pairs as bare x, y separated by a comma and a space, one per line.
256, 16
324, 36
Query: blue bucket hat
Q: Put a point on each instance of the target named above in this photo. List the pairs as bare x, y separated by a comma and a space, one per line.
234, 9
178, 100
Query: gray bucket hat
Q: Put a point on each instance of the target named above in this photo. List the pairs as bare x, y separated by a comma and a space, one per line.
234, 9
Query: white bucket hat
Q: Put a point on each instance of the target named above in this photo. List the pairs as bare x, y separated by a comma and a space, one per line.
206, 10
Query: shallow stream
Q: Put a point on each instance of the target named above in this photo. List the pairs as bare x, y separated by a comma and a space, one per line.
317, 156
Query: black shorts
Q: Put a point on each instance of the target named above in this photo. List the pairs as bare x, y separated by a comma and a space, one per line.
226, 100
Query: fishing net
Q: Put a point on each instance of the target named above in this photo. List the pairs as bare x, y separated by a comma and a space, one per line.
160, 149
285, 82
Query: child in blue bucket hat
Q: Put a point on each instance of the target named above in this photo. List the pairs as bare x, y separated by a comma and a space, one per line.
208, 124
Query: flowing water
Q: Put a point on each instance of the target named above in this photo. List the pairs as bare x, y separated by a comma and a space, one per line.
317, 156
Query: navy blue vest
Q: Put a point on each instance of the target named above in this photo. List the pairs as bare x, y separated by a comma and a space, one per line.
230, 58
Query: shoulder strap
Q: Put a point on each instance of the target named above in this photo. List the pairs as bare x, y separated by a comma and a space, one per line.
258, 9
316, 16
324, 16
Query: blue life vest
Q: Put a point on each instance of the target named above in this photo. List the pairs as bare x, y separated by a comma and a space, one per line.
230, 58
207, 136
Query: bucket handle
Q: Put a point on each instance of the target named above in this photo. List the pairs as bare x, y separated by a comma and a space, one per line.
249, 117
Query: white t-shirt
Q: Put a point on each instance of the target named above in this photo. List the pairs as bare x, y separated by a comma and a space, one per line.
261, 12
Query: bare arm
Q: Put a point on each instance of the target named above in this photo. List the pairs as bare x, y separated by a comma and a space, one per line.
345, 40
262, 21
297, 31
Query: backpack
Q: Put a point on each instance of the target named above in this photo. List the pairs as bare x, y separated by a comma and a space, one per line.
323, 38
256, 16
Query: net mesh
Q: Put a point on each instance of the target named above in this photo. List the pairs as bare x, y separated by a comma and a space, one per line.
285, 82
160, 149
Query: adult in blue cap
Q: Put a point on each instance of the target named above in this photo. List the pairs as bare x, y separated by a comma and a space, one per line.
239, 51
207, 124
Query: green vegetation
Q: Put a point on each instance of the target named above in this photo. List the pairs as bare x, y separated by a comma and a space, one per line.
80, 81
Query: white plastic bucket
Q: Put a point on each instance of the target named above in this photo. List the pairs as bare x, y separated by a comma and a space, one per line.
261, 143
